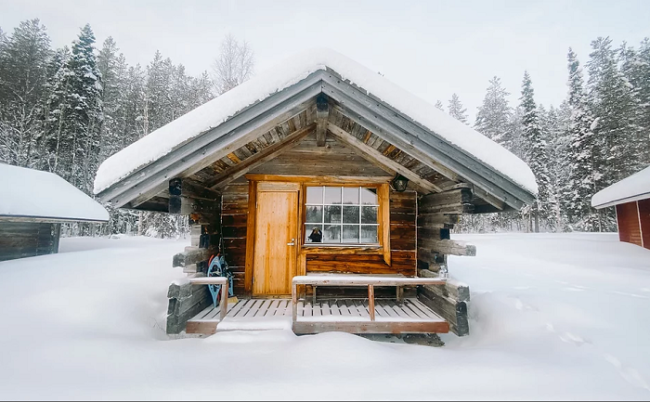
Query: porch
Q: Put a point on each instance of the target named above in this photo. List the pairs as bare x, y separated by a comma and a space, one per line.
310, 316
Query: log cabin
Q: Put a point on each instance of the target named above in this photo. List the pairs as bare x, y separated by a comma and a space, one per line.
318, 145
631, 198
33, 207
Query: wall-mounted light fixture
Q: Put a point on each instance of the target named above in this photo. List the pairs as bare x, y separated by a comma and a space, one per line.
399, 183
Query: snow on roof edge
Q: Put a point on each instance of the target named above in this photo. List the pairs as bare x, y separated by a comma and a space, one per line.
213, 113
36, 194
632, 188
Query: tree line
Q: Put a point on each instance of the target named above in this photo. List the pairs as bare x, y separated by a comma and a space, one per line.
597, 136
66, 110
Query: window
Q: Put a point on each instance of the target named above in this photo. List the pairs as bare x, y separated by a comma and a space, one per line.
344, 215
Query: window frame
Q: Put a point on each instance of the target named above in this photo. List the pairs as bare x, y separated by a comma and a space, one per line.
342, 224
383, 221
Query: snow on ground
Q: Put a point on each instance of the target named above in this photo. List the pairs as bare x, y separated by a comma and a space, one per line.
552, 317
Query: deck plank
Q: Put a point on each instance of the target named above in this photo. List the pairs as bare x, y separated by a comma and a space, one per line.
430, 313
264, 308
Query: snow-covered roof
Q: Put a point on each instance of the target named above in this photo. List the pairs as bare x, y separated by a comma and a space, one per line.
633, 188
219, 110
43, 196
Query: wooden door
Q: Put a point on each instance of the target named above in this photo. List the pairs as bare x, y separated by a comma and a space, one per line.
276, 239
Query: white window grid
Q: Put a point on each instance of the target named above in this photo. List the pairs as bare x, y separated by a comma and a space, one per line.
341, 224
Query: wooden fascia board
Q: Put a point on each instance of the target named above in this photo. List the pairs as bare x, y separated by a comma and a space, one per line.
263, 156
377, 157
204, 149
421, 143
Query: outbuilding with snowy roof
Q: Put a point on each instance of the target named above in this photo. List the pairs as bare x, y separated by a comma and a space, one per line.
319, 166
33, 206
631, 198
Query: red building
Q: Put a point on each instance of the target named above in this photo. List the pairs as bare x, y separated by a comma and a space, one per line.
631, 197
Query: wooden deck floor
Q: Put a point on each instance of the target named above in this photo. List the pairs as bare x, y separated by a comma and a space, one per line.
326, 315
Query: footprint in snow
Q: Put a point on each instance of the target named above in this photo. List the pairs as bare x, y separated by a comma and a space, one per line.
629, 374
568, 337
574, 289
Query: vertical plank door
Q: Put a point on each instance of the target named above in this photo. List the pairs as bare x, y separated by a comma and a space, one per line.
276, 242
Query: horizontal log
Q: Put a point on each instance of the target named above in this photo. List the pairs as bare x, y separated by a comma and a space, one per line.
191, 255
446, 198
437, 220
452, 289
455, 312
185, 206
448, 247
191, 189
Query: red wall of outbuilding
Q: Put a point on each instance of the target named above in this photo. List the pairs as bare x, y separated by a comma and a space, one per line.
628, 223
644, 215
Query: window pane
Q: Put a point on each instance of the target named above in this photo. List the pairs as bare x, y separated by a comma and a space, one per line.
369, 196
368, 234
350, 234
332, 195
314, 214
350, 214
332, 234
333, 214
308, 232
351, 195
314, 195
368, 214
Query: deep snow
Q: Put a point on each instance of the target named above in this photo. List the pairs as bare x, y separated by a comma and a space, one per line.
552, 316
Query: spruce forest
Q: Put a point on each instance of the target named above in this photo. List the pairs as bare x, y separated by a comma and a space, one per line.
66, 110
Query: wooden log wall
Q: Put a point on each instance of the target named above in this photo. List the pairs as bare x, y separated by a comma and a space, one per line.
448, 301
27, 239
308, 159
234, 220
437, 215
185, 301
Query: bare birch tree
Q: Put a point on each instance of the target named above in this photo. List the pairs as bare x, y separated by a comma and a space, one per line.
233, 66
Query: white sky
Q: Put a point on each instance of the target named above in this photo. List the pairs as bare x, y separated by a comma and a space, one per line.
431, 48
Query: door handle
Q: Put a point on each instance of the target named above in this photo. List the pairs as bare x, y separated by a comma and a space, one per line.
293, 242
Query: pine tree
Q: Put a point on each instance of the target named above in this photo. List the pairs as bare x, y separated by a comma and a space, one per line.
24, 59
635, 67
456, 109
439, 105
612, 103
112, 68
76, 115
582, 176
535, 152
493, 114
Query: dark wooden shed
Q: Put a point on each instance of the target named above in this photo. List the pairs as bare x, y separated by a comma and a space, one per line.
319, 143
631, 198
33, 206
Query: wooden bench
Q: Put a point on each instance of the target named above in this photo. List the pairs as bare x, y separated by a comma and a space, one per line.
426, 321
399, 290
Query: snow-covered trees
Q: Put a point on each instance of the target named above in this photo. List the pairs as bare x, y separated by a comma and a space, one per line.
67, 110
583, 153
233, 66
494, 113
456, 109
24, 58
535, 153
